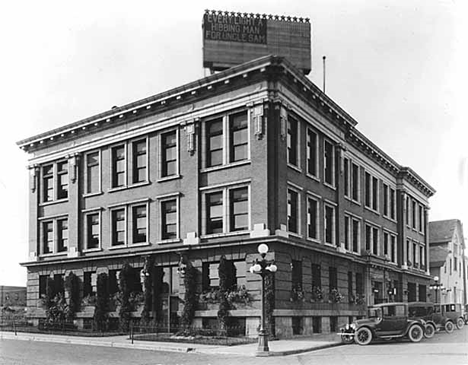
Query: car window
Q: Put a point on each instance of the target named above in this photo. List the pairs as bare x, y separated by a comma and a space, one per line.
374, 313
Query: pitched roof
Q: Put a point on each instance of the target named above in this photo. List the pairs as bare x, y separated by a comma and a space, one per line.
442, 231
438, 256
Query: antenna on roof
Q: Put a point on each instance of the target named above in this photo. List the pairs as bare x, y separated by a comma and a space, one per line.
324, 73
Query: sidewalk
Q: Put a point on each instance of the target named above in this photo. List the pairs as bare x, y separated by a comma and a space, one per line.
277, 347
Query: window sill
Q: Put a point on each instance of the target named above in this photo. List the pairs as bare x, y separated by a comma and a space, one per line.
89, 195
313, 177
331, 245
294, 234
294, 167
226, 166
328, 185
227, 234
92, 250
169, 178
54, 254
126, 187
352, 201
167, 242
314, 240
371, 210
129, 245
58, 201
389, 219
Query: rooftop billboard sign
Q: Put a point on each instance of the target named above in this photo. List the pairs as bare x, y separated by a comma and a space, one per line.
231, 39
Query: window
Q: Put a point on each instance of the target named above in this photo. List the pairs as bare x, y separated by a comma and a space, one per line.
386, 198
372, 239
312, 218
93, 231
43, 282
214, 208
359, 283
62, 231
118, 227
421, 225
227, 210
413, 214
62, 180
347, 231
59, 284
48, 237
140, 222
415, 255
169, 154
355, 183
355, 234
393, 248
312, 153
421, 256
210, 274
139, 161
316, 276
293, 142
239, 209
408, 252
170, 280
329, 224
293, 211
329, 164
238, 136
372, 192
351, 234
296, 276
333, 283
392, 203
118, 167
407, 212
169, 219
93, 172
346, 176
48, 183
113, 281
210, 277
350, 284
386, 243
89, 283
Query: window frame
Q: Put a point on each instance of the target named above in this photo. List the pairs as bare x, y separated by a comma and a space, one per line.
113, 232
135, 167
293, 142
317, 217
87, 173
163, 162
134, 222
163, 217
331, 183
297, 217
87, 230
113, 167
312, 153
333, 224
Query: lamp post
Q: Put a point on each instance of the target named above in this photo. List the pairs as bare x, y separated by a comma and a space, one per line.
262, 267
436, 286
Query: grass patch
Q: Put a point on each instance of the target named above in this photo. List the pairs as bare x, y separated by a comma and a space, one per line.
197, 339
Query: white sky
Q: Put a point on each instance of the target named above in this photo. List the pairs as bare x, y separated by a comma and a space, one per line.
396, 66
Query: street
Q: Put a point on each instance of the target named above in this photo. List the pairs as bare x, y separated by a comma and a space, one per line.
443, 348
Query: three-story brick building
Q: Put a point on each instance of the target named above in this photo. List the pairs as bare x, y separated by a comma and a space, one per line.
254, 154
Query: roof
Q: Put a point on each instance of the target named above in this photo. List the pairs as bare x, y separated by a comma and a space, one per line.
442, 231
438, 256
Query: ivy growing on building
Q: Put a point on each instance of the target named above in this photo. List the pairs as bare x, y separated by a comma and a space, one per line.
102, 303
126, 284
190, 299
227, 280
269, 302
72, 290
147, 290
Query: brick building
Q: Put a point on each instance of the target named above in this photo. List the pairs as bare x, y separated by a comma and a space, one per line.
254, 154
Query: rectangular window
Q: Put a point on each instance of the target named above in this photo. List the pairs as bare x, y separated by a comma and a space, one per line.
375, 193
113, 281
316, 276
169, 219
43, 285
333, 278
329, 224
393, 253
62, 238
355, 235
312, 218
214, 143
407, 211
386, 243
385, 202
415, 254
210, 276
293, 211
238, 136
420, 211
312, 153
293, 142
58, 284
421, 256
93, 231
408, 252
89, 283
48, 237
297, 275
346, 176
413, 213
118, 227
359, 283
48, 183
368, 237
118, 167
92, 173
62, 180
375, 241
368, 195
140, 222
347, 230
329, 163
139, 161
350, 284
392, 203
214, 209
355, 189
239, 209
169, 154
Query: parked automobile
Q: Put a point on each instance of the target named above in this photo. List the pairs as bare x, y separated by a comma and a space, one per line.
386, 321
347, 334
465, 315
452, 311
435, 321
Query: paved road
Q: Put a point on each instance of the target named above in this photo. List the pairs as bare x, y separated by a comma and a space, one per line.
442, 349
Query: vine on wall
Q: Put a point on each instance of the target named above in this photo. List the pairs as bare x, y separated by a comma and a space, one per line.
227, 280
147, 290
72, 290
102, 303
269, 302
126, 278
190, 299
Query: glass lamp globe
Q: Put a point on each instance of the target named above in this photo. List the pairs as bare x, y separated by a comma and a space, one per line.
262, 249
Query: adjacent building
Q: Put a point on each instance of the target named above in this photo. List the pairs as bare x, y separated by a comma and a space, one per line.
253, 154
447, 260
12, 296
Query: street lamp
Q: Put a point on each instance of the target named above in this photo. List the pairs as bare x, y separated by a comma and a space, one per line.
436, 287
262, 267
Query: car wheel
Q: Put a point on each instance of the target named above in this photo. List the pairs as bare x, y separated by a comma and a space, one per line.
460, 323
429, 331
415, 333
363, 336
449, 326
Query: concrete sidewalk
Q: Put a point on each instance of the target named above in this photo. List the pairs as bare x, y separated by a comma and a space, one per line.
277, 347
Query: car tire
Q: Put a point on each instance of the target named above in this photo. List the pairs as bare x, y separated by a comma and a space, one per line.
449, 327
347, 339
429, 331
363, 336
415, 333
460, 323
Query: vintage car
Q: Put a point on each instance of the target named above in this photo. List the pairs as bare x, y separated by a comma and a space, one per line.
452, 311
435, 321
385, 321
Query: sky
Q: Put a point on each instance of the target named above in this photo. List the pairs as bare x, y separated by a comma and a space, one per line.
398, 67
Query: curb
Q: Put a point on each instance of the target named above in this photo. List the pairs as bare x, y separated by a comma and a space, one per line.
300, 351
